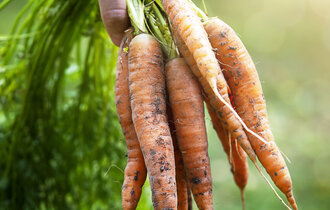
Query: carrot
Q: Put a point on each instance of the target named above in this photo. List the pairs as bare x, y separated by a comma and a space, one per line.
189, 29
236, 156
135, 171
242, 140
242, 77
148, 101
181, 182
188, 111
227, 120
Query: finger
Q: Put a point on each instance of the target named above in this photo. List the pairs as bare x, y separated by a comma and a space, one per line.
115, 18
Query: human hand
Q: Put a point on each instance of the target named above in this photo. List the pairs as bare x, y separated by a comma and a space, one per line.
115, 18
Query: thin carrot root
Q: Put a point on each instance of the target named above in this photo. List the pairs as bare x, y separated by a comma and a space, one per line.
239, 153
271, 186
230, 151
285, 156
239, 118
243, 199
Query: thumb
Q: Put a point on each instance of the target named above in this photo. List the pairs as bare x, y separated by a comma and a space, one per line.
115, 18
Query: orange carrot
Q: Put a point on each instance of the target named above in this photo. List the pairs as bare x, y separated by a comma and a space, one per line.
188, 111
242, 77
227, 120
148, 101
236, 156
135, 171
181, 182
188, 27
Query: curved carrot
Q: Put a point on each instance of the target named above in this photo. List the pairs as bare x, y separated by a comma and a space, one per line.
242, 77
135, 171
188, 110
148, 101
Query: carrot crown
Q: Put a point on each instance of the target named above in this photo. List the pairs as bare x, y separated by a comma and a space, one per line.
158, 25
148, 16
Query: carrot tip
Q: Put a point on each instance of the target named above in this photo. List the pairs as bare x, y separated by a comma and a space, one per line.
271, 186
292, 201
243, 199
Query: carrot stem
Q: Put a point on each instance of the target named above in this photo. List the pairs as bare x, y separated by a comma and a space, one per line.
135, 10
158, 25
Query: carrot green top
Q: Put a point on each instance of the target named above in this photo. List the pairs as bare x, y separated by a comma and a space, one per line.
148, 16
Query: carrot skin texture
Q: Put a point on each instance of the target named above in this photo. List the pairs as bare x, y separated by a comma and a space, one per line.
229, 121
148, 101
188, 110
135, 171
181, 181
185, 21
239, 164
243, 80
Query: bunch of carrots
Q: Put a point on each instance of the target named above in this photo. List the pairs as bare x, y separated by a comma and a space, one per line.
172, 60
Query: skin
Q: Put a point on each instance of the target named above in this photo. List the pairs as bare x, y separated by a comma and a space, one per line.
135, 171
240, 72
186, 102
148, 101
115, 18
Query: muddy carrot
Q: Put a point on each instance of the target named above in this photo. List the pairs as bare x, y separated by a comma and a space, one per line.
135, 171
188, 111
227, 120
181, 181
243, 80
189, 29
235, 154
148, 102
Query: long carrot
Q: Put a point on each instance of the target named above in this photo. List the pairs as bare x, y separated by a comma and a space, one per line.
188, 110
181, 181
242, 77
135, 171
190, 29
227, 120
236, 156
148, 101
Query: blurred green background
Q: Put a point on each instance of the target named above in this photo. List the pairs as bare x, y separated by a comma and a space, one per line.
288, 41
